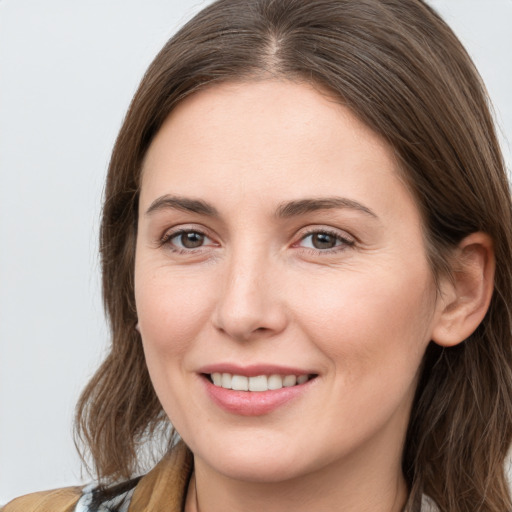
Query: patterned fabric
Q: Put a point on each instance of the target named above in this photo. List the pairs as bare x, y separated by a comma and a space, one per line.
93, 500
163, 489
427, 505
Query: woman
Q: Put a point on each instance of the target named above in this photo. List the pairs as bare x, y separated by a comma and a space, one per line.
306, 245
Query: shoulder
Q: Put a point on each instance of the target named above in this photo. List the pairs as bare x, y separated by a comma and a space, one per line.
163, 488
58, 500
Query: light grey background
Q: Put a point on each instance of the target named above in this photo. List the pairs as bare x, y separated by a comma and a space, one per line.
68, 70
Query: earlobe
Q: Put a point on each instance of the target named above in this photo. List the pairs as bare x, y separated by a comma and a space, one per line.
464, 299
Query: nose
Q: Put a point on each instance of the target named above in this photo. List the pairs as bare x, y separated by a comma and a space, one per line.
251, 302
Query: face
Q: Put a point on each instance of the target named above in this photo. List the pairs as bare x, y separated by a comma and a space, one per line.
280, 254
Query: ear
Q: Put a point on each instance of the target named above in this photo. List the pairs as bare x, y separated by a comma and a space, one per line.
463, 300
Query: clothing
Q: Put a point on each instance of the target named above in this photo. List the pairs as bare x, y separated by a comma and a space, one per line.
163, 489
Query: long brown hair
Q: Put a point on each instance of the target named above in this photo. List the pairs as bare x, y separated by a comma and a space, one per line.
403, 72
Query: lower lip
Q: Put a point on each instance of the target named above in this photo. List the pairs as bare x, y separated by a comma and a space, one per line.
253, 403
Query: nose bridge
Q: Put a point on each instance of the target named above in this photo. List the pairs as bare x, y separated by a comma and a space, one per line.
248, 299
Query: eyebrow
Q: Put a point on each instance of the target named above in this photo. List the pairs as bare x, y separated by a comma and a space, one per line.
182, 203
303, 206
284, 210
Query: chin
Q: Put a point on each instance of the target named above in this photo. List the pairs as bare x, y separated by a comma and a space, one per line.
256, 469
252, 461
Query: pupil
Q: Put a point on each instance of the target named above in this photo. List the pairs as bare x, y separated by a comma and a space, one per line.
323, 241
192, 240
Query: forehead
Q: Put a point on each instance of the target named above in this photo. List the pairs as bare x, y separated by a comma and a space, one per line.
245, 141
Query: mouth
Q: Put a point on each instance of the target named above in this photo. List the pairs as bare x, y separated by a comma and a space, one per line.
255, 390
258, 383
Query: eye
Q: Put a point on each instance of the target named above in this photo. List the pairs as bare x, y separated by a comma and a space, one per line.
324, 240
186, 240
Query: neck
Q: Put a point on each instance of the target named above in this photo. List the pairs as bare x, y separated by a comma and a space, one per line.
346, 487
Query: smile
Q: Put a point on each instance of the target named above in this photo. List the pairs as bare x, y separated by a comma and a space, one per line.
258, 383
258, 394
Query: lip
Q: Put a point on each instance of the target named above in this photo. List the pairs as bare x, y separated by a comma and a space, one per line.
253, 403
254, 370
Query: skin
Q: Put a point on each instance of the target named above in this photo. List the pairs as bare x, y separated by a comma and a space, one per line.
359, 315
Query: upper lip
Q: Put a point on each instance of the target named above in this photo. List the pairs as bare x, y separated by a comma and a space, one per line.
253, 370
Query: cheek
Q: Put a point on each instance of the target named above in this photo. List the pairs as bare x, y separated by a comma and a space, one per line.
171, 310
371, 325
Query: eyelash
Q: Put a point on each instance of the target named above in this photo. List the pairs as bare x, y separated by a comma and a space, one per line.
345, 242
168, 236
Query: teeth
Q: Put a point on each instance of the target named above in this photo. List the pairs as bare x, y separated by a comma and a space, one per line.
302, 378
259, 383
289, 381
226, 380
275, 382
240, 383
